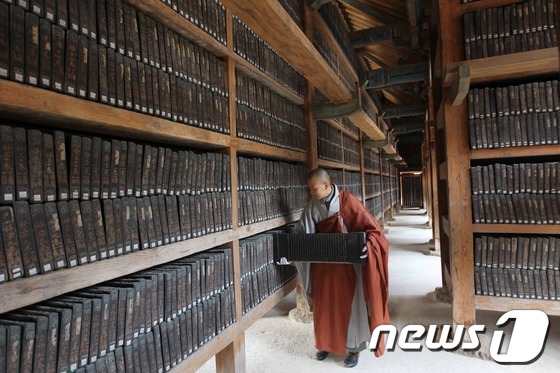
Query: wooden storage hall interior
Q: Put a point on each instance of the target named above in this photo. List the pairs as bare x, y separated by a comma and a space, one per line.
148, 145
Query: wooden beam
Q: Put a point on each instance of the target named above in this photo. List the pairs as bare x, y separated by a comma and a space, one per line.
329, 110
389, 156
395, 33
400, 111
316, 4
518, 65
371, 11
274, 25
367, 54
402, 74
371, 144
410, 128
460, 87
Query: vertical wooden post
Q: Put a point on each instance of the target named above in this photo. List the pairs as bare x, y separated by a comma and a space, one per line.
382, 219
232, 358
312, 151
458, 178
391, 202
362, 168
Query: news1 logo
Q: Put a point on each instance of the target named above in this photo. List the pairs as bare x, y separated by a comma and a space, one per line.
526, 342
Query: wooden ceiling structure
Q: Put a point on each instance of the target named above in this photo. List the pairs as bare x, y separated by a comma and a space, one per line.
403, 26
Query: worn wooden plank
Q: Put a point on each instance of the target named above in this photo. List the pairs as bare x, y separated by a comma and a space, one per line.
43, 107
271, 22
517, 228
518, 65
253, 229
524, 151
337, 165
248, 147
503, 304
364, 122
484, 4
30, 290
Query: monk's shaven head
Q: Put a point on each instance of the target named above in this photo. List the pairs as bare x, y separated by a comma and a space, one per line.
319, 183
320, 176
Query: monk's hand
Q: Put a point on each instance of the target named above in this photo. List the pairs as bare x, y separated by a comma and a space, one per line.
364, 252
283, 261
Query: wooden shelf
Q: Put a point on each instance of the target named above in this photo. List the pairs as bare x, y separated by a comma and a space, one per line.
367, 124
503, 304
179, 24
253, 229
29, 290
273, 24
517, 228
253, 148
44, 107
514, 152
372, 196
515, 65
324, 30
364, 122
222, 340
390, 149
483, 4
267, 80
335, 124
337, 165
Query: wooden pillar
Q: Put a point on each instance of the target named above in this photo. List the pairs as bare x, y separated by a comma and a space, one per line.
232, 358
303, 309
382, 220
458, 178
362, 168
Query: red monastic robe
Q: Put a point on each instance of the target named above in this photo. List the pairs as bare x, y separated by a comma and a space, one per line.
333, 284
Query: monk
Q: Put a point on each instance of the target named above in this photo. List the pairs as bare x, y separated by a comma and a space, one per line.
348, 300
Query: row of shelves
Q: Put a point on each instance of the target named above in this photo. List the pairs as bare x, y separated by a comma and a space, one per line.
505, 228
30, 290
44, 107
187, 29
451, 161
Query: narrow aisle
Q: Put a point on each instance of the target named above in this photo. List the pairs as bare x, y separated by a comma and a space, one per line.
277, 344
